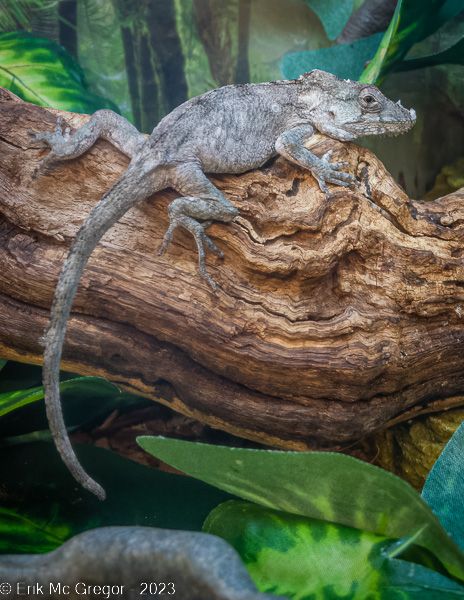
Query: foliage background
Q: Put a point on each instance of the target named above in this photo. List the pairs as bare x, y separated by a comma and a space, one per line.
148, 56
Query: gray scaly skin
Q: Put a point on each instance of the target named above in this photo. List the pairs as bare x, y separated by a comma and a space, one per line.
194, 566
228, 130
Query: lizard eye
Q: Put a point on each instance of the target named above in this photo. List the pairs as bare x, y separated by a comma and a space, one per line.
369, 102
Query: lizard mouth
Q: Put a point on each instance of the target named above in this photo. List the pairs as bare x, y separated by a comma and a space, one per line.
389, 126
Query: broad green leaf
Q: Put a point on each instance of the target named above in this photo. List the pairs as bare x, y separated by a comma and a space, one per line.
41, 71
333, 14
2, 363
453, 55
42, 505
344, 60
444, 487
298, 557
322, 485
98, 387
412, 21
305, 558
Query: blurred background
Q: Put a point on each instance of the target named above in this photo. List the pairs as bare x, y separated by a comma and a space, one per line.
144, 57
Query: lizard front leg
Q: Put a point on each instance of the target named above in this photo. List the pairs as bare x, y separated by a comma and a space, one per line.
104, 124
290, 144
196, 211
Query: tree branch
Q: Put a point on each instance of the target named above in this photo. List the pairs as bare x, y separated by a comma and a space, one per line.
334, 317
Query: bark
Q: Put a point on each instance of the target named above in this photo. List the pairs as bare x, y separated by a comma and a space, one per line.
335, 316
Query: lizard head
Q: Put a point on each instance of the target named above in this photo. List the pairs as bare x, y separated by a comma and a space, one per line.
346, 109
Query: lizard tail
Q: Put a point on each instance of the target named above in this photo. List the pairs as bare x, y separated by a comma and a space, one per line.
126, 192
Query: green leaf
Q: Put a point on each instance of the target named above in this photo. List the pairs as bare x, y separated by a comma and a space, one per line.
98, 387
444, 487
412, 21
42, 505
344, 60
295, 556
305, 558
85, 400
27, 534
40, 71
322, 485
333, 14
2, 363
453, 55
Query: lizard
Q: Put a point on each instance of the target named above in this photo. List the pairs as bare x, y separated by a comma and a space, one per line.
232, 129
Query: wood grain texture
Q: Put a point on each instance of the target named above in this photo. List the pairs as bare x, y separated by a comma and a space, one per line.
334, 317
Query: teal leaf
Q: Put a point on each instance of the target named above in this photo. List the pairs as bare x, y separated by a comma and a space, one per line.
321, 485
333, 14
444, 487
2, 363
40, 71
344, 60
41, 505
404, 579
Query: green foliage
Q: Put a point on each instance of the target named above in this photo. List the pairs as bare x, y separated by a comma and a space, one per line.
42, 506
85, 399
292, 555
23, 534
321, 485
40, 71
98, 387
411, 23
17, 13
453, 55
306, 558
444, 487
333, 14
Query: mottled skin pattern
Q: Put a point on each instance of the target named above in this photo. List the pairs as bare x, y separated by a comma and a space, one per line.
201, 566
228, 130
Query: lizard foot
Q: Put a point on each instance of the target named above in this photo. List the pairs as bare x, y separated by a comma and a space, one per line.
326, 172
198, 232
56, 140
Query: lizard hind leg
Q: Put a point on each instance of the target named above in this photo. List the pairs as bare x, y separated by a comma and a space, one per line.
195, 214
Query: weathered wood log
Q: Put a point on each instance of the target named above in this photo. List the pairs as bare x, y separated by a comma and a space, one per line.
335, 316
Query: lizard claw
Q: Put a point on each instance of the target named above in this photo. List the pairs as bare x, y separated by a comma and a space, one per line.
326, 172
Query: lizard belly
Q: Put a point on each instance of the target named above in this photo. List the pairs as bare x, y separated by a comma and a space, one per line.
235, 154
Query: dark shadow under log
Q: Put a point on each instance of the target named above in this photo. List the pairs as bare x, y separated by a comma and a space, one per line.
334, 318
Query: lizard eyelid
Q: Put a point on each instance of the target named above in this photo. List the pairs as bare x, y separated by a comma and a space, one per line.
369, 103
